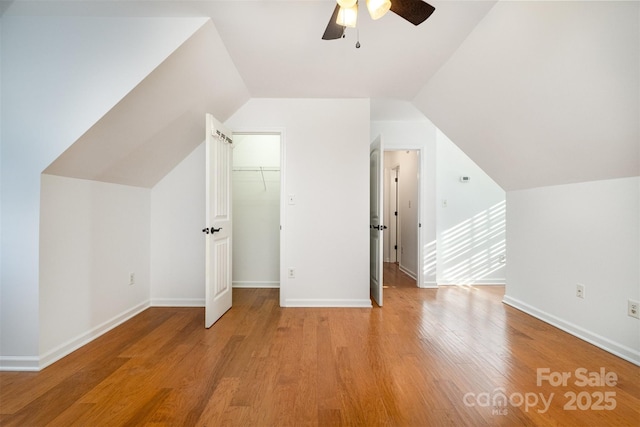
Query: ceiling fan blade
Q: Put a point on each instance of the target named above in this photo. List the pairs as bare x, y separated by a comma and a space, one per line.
414, 11
333, 31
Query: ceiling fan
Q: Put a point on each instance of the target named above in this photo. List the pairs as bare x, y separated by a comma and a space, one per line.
346, 12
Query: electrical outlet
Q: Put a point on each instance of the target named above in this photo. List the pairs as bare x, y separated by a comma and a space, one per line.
580, 290
292, 273
132, 278
633, 308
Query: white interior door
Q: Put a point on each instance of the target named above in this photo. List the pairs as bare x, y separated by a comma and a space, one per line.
218, 250
376, 174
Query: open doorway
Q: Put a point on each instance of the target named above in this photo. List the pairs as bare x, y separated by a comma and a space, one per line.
256, 197
401, 202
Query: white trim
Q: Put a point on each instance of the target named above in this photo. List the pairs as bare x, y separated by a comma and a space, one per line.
429, 285
407, 272
283, 216
256, 285
476, 282
85, 338
270, 130
620, 350
421, 149
349, 303
177, 302
19, 363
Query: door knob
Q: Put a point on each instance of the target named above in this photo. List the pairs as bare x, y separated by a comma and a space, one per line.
211, 230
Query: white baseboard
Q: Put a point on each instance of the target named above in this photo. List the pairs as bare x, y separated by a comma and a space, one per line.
248, 284
477, 282
429, 285
85, 338
606, 344
177, 302
407, 272
20, 363
333, 303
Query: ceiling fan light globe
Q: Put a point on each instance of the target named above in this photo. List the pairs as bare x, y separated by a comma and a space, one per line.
348, 16
347, 3
378, 8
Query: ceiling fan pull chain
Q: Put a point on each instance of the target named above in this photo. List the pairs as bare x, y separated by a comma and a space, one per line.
358, 37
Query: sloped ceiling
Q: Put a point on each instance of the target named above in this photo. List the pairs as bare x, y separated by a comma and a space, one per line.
536, 92
545, 93
161, 120
257, 49
279, 52
277, 49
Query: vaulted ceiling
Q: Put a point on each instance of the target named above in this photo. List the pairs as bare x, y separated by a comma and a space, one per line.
277, 48
536, 92
160, 121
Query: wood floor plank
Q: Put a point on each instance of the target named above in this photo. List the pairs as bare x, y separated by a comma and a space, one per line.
219, 402
51, 404
429, 357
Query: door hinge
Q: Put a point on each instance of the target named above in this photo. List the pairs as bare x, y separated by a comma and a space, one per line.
396, 213
419, 225
396, 179
395, 247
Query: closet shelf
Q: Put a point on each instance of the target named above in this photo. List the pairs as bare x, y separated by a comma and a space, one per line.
257, 169
261, 169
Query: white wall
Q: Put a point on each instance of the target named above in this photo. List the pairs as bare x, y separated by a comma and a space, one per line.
585, 233
92, 235
177, 241
59, 75
326, 231
256, 211
471, 227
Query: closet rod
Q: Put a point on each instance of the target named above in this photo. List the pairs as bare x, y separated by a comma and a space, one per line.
258, 169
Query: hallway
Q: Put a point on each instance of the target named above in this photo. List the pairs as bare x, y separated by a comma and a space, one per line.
393, 277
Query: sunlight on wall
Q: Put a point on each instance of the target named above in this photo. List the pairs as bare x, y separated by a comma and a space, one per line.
470, 251
430, 259
474, 248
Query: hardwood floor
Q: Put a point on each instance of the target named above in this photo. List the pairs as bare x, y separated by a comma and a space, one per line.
427, 358
393, 277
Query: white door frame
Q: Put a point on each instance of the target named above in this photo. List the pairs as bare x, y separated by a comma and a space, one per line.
283, 185
419, 252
